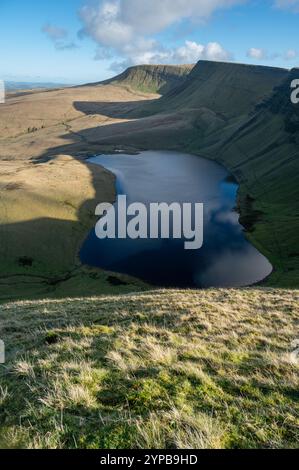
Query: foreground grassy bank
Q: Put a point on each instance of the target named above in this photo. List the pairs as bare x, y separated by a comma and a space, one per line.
174, 369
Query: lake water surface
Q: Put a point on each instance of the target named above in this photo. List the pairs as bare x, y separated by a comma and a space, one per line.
226, 258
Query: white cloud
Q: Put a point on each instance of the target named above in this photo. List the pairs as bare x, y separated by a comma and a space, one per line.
291, 54
262, 54
103, 23
148, 17
256, 53
53, 32
190, 53
120, 20
292, 5
64, 46
124, 29
57, 36
215, 51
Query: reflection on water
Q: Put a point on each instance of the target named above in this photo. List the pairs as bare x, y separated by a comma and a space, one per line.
226, 259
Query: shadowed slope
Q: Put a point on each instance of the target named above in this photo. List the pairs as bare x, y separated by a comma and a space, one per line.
263, 153
228, 89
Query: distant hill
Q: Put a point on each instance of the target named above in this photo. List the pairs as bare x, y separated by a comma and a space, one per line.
16, 86
152, 78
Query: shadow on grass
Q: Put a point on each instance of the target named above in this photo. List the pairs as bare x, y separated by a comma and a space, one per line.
116, 110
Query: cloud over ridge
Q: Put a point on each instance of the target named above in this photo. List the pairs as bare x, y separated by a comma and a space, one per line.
124, 28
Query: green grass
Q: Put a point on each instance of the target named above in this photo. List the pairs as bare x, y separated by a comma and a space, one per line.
165, 369
228, 89
158, 369
152, 78
240, 116
43, 228
213, 113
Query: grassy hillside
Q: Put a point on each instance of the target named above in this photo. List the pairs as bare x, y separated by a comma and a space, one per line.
165, 369
263, 153
227, 89
46, 212
152, 78
241, 116
157, 369
48, 193
238, 115
31, 115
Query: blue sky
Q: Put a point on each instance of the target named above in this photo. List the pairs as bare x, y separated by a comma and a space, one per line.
75, 41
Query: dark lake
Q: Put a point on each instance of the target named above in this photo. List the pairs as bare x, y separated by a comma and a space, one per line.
226, 258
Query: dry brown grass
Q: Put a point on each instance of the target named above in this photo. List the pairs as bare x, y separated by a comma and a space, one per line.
46, 109
48, 193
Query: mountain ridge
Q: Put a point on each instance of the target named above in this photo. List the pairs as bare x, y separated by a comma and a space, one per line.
152, 78
212, 85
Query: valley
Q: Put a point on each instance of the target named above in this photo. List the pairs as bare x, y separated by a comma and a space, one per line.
48, 190
149, 231
204, 368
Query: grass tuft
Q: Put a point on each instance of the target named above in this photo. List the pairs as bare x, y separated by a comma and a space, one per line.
162, 369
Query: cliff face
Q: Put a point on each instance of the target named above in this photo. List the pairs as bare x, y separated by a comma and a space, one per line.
152, 78
225, 88
279, 103
241, 116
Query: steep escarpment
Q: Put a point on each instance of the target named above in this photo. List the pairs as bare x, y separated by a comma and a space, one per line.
279, 103
152, 78
262, 151
227, 89
242, 117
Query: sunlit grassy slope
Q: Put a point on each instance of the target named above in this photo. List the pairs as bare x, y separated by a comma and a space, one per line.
164, 369
152, 78
48, 193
